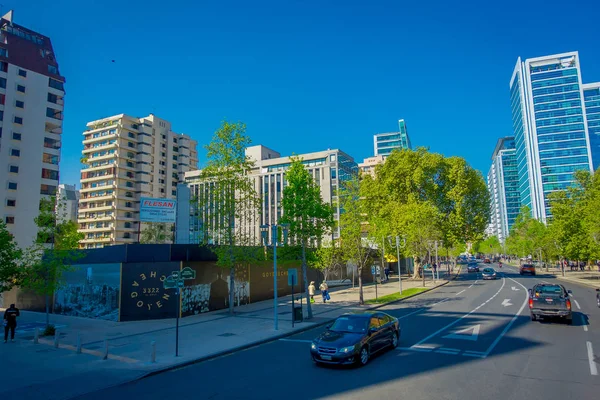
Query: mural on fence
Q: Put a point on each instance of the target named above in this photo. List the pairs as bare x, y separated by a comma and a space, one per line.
90, 290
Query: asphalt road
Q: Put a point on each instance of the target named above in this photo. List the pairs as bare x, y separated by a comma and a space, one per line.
470, 339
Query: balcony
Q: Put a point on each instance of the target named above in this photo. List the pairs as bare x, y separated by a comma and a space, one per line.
143, 187
145, 139
96, 198
89, 148
94, 230
102, 125
53, 126
98, 240
145, 168
147, 158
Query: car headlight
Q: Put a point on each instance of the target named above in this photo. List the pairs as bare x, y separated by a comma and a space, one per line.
313, 346
348, 349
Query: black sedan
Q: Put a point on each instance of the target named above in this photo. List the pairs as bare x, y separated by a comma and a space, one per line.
473, 267
353, 338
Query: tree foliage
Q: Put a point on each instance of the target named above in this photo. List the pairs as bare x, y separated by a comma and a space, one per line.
155, 233
10, 256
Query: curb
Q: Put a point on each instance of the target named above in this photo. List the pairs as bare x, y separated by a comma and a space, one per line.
576, 282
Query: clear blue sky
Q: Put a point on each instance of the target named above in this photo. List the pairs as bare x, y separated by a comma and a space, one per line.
307, 75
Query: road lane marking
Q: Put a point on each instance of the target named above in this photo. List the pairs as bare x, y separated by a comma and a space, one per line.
296, 340
584, 323
471, 333
577, 304
462, 291
450, 349
506, 303
452, 353
590, 351
439, 302
459, 319
409, 314
512, 321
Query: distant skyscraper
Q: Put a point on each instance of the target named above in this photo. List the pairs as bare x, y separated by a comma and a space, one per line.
550, 128
503, 185
31, 117
67, 200
385, 143
591, 94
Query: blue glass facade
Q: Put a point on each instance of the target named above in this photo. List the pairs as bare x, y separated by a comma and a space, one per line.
591, 94
385, 143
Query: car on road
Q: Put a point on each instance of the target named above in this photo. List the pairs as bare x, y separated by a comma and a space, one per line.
527, 269
354, 338
598, 297
550, 300
487, 261
472, 267
488, 273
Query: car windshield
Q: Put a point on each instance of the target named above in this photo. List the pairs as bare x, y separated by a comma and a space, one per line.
527, 266
548, 291
350, 324
488, 271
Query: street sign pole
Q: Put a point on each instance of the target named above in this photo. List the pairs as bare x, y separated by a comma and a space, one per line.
177, 325
398, 256
293, 307
275, 304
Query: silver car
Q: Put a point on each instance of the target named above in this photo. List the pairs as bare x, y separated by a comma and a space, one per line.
488, 273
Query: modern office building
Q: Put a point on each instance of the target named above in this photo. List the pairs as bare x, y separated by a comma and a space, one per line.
329, 168
31, 118
67, 203
385, 143
550, 128
591, 94
503, 185
126, 158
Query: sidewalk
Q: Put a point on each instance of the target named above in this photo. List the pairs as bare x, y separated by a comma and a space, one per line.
62, 373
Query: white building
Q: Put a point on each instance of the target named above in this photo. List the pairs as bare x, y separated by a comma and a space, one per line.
124, 159
31, 117
67, 203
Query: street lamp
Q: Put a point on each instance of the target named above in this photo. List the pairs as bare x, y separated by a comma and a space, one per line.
434, 244
398, 256
264, 233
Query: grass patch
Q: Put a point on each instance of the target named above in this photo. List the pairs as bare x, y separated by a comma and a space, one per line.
396, 296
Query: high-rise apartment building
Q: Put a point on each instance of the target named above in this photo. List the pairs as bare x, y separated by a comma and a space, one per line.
329, 168
503, 185
67, 203
591, 95
385, 143
550, 127
31, 117
126, 158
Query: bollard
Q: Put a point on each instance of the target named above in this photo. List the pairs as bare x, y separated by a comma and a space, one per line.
56, 335
79, 343
105, 349
36, 338
153, 354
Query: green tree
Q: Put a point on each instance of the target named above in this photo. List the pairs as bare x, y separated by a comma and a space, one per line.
491, 245
55, 249
308, 216
527, 236
327, 258
155, 233
10, 256
228, 200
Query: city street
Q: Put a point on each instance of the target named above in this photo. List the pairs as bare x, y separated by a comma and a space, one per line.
468, 339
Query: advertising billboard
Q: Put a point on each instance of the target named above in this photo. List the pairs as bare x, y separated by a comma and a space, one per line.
158, 210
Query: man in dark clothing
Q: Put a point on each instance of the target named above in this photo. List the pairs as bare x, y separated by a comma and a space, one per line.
10, 322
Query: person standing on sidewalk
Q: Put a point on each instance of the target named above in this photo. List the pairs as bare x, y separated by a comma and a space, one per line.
311, 291
324, 291
10, 322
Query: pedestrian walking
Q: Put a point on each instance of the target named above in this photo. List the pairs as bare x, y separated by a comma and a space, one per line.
324, 288
10, 322
311, 291
387, 274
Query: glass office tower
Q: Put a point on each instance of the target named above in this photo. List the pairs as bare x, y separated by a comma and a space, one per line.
551, 132
591, 94
385, 143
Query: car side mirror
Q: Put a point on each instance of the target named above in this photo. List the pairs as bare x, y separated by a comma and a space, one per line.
530, 292
570, 291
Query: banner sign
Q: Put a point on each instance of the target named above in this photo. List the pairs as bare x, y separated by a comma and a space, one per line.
157, 210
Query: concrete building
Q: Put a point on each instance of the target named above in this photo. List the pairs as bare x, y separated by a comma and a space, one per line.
126, 158
329, 168
550, 127
385, 143
67, 203
503, 186
31, 118
369, 164
591, 94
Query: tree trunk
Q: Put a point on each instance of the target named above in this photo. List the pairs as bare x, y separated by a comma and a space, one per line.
47, 300
309, 314
231, 289
361, 299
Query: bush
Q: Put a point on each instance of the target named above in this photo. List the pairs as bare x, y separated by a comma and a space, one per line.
49, 331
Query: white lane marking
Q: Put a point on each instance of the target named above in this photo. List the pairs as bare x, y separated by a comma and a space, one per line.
470, 286
441, 301
462, 291
577, 304
473, 355
514, 288
452, 353
424, 346
296, 340
461, 318
545, 282
450, 349
512, 321
506, 303
471, 333
409, 314
590, 351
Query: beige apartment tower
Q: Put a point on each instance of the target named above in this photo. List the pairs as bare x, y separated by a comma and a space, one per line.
124, 159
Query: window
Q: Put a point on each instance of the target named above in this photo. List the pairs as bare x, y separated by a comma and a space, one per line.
15, 152
11, 203
332, 158
175, 148
50, 159
14, 169
52, 113
12, 185
163, 145
3, 66
127, 224
174, 166
164, 137
19, 104
52, 69
3, 52
10, 220
3, 83
49, 174
22, 73
128, 204
2, 99
53, 83
374, 323
131, 135
51, 143
21, 88
18, 120
1, 115
130, 144
174, 192
52, 98
48, 189
174, 158
16, 136
163, 154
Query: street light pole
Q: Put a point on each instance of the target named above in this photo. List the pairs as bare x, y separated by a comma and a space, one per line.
264, 230
398, 257
436, 261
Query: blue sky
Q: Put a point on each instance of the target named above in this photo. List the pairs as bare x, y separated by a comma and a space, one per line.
306, 75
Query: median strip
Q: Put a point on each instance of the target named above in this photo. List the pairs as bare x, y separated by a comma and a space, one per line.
396, 296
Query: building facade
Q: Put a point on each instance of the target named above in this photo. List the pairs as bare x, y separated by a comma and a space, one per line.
369, 164
385, 143
124, 159
550, 127
329, 168
591, 95
503, 186
31, 118
67, 203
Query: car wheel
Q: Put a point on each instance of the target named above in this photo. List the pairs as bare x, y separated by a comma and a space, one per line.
533, 317
363, 357
395, 340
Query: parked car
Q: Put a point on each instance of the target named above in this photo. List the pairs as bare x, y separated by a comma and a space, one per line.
527, 269
488, 273
354, 338
550, 300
